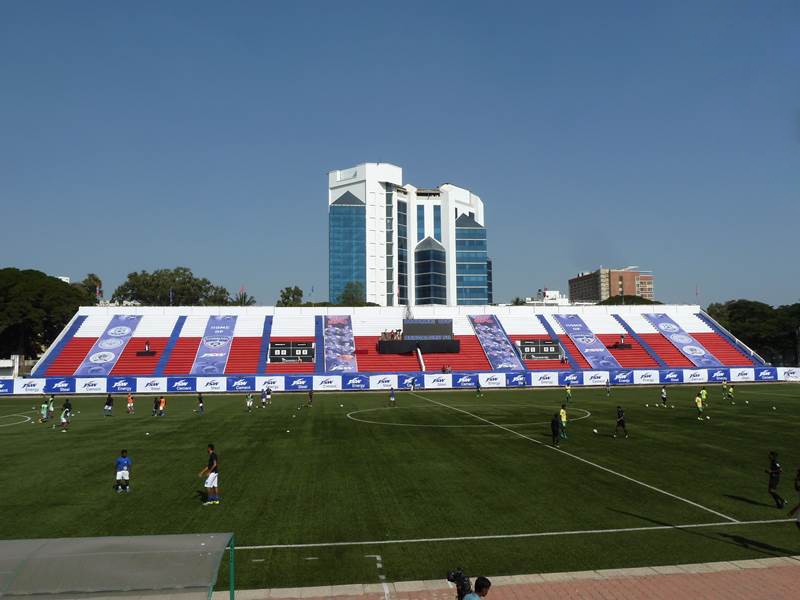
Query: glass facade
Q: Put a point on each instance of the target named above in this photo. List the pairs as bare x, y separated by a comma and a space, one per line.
402, 252
472, 262
431, 271
347, 248
437, 223
420, 222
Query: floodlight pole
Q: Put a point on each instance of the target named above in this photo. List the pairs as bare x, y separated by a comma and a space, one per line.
231, 571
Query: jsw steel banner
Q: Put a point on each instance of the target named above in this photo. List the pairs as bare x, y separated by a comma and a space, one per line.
789, 373
439, 381
406, 380
108, 348
327, 382
685, 343
215, 347
382, 382
211, 384
587, 343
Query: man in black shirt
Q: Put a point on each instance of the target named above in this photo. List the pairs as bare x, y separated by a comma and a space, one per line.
212, 479
774, 472
620, 422
109, 405
555, 429
311, 397
201, 407
156, 404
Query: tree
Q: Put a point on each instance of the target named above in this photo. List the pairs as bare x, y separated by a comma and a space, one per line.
353, 294
618, 300
170, 287
243, 299
517, 301
91, 286
34, 308
291, 296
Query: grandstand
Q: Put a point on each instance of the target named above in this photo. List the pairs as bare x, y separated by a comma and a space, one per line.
241, 341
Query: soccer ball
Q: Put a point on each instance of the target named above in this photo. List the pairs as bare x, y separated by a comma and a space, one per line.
773, 408
341, 406
594, 430
647, 406
747, 402
673, 406
287, 431
147, 433
708, 418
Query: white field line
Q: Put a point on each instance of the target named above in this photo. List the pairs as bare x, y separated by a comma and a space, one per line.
26, 419
381, 576
512, 536
583, 460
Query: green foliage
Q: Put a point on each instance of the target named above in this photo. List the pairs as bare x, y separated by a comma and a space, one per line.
621, 300
89, 286
242, 298
153, 289
291, 296
518, 302
34, 308
772, 332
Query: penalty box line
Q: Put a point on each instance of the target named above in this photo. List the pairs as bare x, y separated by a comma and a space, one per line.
583, 460
512, 536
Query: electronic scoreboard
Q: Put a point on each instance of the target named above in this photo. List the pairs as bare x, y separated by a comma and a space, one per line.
427, 329
291, 352
539, 349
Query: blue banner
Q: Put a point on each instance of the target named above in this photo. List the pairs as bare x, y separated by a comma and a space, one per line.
621, 377
355, 382
59, 385
766, 374
295, 383
517, 379
719, 375
587, 343
685, 343
215, 347
241, 384
108, 347
464, 380
570, 377
117, 385
181, 384
499, 350
340, 346
670, 376
6, 386
404, 380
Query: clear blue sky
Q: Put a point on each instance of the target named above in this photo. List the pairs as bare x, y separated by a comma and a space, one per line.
155, 134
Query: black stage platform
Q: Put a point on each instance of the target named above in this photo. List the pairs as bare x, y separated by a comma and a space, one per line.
429, 346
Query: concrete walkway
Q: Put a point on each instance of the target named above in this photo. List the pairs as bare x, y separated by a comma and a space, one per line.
767, 579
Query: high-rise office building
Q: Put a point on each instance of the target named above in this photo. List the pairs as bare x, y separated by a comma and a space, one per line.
405, 245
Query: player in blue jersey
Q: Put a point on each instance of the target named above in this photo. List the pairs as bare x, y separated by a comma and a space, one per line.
123, 473
391, 397
478, 391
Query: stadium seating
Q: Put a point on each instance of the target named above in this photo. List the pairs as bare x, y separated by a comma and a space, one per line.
726, 353
369, 361
471, 357
71, 356
633, 357
130, 364
182, 357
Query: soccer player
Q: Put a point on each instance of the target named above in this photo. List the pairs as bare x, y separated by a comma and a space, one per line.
412, 386
730, 394
478, 391
123, 473
620, 422
774, 473
563, 416
724, 390
68, 407
212, 479
130, 404
65, 414
568, 392
162, 406
269, 396
391, 397
555, 428
310, 398
698, 402
608, 388
43, 411
201, 407
664, 395
108, 406
50, 407
264, 398
704, 395
249, 403
156, 404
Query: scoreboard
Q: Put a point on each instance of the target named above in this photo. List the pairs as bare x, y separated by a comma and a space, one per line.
291, 352
539, 349
427, 329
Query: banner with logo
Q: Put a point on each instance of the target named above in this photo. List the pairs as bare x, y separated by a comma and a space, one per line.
670, 376
766, 374
695, 376
340, 346
570, 378
119, 385
108, 347
382, 382
685, 343
59, 385
355, 382
464, 380
516, 379
151, 385
544, 378
495, 342
296, 383
622, 377
492, 379
789, 373
404, 381
439, 381
211, 384
181, 384
587, 343
327, 382
645, 377
215, 346
241, 384
29, 386
595, 377
742, 374
6, 386
718, 375
273, 382
93, 385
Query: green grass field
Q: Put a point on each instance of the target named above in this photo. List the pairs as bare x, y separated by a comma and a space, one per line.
439, 465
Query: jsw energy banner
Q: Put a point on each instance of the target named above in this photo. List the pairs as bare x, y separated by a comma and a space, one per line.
587, 343
108, 348
685, 343
215, 347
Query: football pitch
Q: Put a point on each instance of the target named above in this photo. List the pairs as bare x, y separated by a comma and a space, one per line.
352, 490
